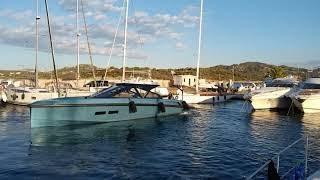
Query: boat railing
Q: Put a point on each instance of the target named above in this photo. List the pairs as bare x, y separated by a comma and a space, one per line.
277, 157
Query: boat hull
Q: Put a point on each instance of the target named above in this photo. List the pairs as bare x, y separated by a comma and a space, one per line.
102, 111
307, 105
27, 98
200, 99
271, 103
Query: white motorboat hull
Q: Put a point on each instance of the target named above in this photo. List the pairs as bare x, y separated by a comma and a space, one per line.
307, 105
3, 97
202, 99
99, 110
270, 103
27, 98
270, 98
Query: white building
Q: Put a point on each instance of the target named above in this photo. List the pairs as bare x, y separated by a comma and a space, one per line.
186, 80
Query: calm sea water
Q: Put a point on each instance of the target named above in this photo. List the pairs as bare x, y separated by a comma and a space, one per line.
219, 142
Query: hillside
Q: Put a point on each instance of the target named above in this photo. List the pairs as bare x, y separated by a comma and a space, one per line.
243, 71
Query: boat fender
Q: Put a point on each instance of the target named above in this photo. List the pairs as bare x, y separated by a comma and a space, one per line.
225, 97
14, 97
161, 107
185, 106
218, 98
132, 107
23, 96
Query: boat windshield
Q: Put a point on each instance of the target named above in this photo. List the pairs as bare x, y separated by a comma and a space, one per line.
310, 86
127, 91
280, 85
280, 82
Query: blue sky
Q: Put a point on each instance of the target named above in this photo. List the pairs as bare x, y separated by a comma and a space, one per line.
164, 33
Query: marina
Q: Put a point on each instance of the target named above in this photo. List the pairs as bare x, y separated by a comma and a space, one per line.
134, 89
210, 142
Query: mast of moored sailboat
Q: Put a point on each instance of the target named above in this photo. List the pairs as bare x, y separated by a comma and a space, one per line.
51, 47
125, 43
37, 44
88, 43
78, 43
199, 47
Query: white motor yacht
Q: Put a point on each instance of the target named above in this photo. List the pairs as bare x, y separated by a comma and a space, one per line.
274, 96
307, 99
123, 101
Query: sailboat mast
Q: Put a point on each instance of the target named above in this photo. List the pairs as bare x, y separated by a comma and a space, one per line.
125, 43
52, 50
199, 47
78, 43
37, 44
88, 43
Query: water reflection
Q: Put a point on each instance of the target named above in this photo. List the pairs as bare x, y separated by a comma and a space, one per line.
81, 134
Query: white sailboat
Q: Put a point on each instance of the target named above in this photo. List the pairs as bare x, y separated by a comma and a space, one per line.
307, 99
274, 96
28, 95
198, 97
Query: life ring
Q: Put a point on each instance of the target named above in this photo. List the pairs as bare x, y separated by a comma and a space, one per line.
132, 107
185, 106
161, 107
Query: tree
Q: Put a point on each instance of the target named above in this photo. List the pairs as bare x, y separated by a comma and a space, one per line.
277, 72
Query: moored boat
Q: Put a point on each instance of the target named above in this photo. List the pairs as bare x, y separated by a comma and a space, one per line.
28, 95
307, 99
274, 96
204, 98
123, 101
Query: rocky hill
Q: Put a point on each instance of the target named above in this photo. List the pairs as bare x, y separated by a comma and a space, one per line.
243, 71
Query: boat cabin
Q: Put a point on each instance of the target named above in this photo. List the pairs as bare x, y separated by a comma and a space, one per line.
128, 90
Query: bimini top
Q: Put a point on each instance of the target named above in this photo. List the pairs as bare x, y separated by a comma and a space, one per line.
128, 90
283, 82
